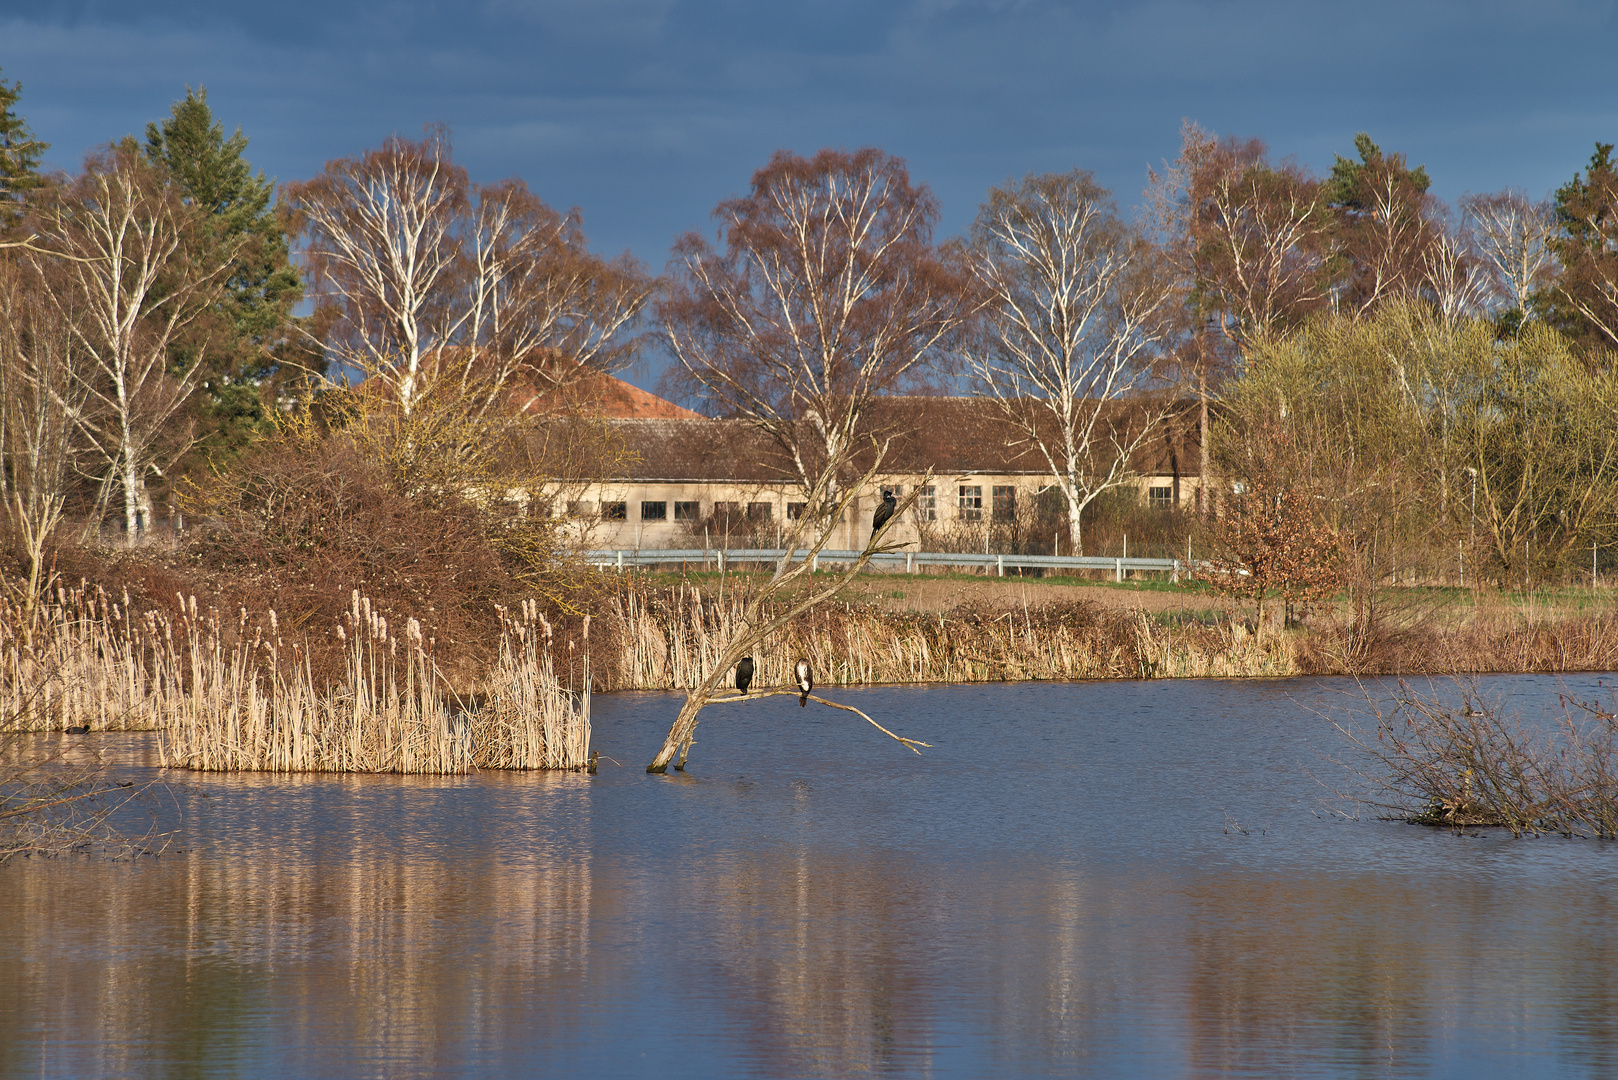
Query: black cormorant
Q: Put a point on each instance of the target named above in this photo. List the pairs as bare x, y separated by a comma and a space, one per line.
806, 680
744, 674
883, 513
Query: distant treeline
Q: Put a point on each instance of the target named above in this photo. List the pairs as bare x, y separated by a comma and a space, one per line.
1418, 391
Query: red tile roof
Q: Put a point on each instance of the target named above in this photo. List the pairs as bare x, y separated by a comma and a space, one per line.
610, 398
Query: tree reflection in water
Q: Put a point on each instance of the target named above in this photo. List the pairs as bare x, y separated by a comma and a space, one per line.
850, 917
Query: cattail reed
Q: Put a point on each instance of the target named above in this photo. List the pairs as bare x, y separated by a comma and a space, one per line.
390, 713
231, 695
672, 637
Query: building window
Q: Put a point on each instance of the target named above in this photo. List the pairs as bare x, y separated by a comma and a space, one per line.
581, 508
760, 512
687, 511
1005, 502
654, 511
726, 511
927, 504
795, 510
615, 511
971, 502
1160, 498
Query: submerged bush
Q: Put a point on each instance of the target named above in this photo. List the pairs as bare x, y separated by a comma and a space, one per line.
1470, 765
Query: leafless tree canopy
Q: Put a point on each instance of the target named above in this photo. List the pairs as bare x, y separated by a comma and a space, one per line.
827, 293
112, 247
1252, 240
1513, 237
425, 279
43, 387
1076, 305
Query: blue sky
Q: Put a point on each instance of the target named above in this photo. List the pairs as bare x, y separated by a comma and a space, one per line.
645, 113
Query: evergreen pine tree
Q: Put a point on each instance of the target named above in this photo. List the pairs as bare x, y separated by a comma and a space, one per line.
19, 153
245, 343
1582, 301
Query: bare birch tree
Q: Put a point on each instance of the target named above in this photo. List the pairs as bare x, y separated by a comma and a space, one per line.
425, 280
113, 241
1076, 300
43, 388
1250, 239
542, 310
1455, 277
1251, 244
1513, 236
827, 294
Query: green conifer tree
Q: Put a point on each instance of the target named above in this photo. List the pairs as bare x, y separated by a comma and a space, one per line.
247, 340
20, 153
1583, 300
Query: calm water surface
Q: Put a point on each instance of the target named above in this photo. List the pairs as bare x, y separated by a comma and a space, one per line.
1106, 879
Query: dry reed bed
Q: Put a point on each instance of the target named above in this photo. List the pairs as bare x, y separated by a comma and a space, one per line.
1491, 640
239, 697
669, 638
82, 661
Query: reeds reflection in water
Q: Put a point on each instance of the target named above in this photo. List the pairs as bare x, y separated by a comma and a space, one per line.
1156, 892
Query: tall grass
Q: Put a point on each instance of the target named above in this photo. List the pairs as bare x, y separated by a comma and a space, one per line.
529, 720
671, 637
231, 695
82, 660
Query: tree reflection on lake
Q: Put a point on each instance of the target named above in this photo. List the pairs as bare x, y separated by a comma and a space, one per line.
1122, 878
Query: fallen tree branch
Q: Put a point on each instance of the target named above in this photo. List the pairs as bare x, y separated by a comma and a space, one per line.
754, 694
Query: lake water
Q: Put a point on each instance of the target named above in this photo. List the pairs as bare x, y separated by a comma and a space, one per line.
1148, 879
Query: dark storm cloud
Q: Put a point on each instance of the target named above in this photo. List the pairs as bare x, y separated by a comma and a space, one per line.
647, 112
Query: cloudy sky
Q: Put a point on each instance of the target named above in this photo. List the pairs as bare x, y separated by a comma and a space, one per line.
645, 113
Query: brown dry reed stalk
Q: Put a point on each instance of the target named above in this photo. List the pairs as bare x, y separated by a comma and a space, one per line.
80, 661
233, 695
1471, 765
671, 637
249, 708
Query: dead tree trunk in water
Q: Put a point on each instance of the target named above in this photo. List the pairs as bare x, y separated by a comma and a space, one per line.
754, 628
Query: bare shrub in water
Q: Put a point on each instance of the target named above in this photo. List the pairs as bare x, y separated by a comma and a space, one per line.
53, 800
1438, 764
51, 805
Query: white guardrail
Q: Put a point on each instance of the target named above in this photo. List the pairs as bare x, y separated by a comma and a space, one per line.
619, 558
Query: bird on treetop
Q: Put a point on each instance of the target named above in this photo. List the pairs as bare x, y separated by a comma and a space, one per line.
883, 513
806, 680
744, 674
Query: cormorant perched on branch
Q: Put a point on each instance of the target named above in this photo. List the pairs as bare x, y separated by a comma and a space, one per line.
883, 512
744, 674
806, 680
